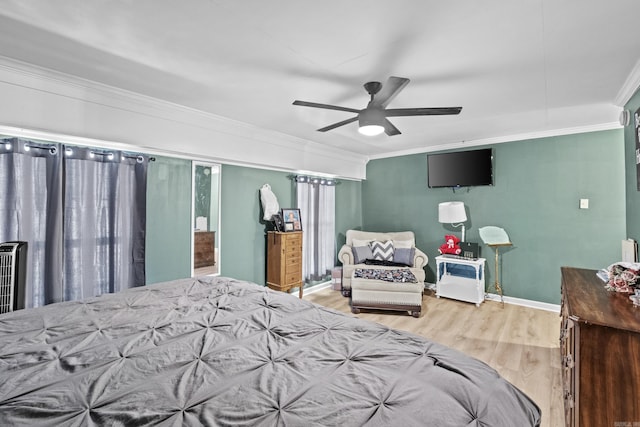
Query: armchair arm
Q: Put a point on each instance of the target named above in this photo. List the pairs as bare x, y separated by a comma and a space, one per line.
345, 256
420, 259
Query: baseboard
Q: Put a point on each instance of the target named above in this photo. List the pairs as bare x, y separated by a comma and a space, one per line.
525, 302
317, 288
490, 297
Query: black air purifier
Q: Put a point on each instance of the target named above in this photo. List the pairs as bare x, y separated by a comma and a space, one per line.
13, 276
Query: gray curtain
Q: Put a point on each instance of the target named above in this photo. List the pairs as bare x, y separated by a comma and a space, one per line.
82, 212
31, 211
104, 221
316, 199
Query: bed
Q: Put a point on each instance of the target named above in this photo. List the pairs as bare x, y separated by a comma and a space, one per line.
223, 352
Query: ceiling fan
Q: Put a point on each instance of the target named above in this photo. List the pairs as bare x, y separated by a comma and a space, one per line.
373, 119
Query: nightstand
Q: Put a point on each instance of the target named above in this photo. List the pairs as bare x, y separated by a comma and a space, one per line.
460, 278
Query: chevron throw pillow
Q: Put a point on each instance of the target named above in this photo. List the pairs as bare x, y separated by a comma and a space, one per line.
382, 251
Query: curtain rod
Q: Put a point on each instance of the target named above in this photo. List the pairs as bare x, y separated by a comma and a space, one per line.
314, 179
53, 149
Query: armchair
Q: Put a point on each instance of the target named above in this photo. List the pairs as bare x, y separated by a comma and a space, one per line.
404, 238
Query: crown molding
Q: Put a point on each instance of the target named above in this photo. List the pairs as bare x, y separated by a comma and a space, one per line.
502, 139
630, 86
297, 154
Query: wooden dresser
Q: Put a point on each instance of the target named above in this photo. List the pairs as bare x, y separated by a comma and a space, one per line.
600, 350
284, 260
204, 243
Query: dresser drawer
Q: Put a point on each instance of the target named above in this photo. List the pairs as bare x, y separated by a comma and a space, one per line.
293, 269
294, 241
293, 258
293, 278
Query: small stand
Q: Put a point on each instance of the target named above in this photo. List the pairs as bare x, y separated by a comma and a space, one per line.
496, 247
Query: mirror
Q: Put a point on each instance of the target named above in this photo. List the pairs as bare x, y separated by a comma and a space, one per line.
206, 219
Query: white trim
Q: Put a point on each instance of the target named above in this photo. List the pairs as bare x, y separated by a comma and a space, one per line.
489, 297
116, 116
630, 86
502, 139
317, 288
524, 302
12, 131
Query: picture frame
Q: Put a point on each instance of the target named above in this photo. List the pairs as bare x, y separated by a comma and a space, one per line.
292, 219
278, 223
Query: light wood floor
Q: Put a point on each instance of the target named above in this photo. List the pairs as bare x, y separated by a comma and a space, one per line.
521, 343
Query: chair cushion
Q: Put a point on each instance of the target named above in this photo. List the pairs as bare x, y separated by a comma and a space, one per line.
361, 254
404, 256
400, 275
382, 251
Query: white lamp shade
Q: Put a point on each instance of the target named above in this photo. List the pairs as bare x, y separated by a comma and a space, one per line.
371, 121
371, 130
451, 212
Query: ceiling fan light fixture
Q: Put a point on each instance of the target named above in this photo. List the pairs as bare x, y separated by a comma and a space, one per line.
370, 122
371, 130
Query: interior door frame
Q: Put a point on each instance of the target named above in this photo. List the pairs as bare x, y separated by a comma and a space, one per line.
218, 240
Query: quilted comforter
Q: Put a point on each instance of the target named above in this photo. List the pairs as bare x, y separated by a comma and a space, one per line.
218, 351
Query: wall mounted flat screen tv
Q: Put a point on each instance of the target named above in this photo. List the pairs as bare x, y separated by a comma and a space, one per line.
460, 168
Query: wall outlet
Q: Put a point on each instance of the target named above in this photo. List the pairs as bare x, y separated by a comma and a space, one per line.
584, 203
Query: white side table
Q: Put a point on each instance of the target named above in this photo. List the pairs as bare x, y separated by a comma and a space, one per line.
460, 278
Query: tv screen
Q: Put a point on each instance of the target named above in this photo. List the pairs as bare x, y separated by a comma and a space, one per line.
460, 169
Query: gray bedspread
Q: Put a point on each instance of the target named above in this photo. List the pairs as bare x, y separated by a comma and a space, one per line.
218, 351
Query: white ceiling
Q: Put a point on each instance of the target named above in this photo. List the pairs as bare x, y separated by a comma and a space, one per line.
515, 67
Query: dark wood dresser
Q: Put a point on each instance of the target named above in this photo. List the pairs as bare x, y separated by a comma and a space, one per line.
284, 260
600, 350
204, 243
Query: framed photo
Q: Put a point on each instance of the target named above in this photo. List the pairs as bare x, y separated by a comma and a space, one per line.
278, 224
291, 218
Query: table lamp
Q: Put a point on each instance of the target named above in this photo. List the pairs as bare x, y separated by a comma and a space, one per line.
452, 213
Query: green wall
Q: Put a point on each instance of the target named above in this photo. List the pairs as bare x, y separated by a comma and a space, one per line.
242, 233
241, 238
348, 210
243, 230
535, 198
633, 196
538, 184
168, 235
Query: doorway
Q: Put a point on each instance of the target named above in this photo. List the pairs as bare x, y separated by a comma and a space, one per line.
206, 219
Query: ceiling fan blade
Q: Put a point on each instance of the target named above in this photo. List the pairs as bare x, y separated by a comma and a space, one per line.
325, 106
335, 125
390, 129
389, 90
442, 111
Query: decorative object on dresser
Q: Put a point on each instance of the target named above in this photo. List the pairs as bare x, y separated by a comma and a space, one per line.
204, 243
284, 261
292, 219
271, 208
623, 277
452, 212
600, 349
460, 278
